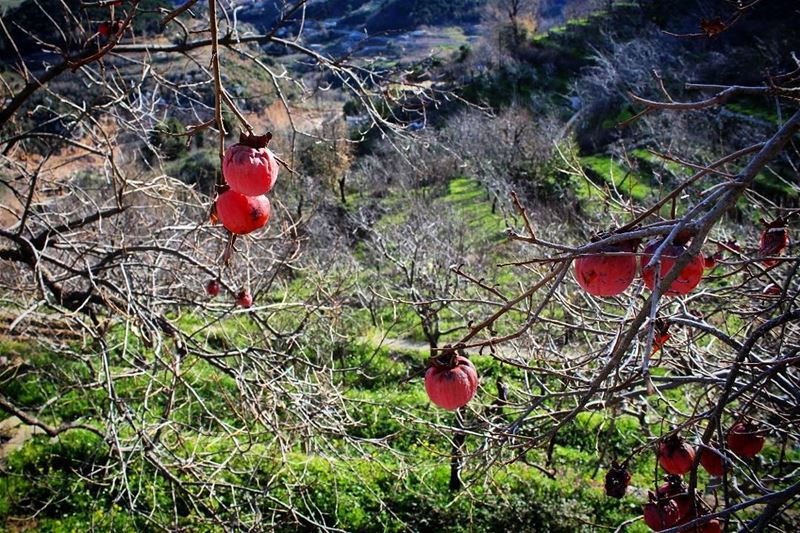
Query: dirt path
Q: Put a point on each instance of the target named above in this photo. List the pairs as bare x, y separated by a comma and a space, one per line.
13, 434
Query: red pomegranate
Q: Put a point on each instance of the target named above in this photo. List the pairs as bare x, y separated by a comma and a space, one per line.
675, 456
602, 274
675, 490
661, 334
452, 384
249, 167
774, 239
660, 514
745, 438
244, 299
712, 461
772, 290
617, 480
712, 526
710, 261
212, 287
688, 278
242, 214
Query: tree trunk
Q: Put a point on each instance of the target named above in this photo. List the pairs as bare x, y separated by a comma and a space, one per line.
456, 453
341, 181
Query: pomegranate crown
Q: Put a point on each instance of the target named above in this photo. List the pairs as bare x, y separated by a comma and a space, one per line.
448, 358
255, 141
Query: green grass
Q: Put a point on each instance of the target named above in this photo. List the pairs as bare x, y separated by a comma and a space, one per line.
468, 198
627, 182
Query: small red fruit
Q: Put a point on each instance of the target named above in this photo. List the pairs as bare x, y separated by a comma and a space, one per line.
249, 167
710, 261
712, 526
688, 278
712, 461
104, 29
675, 456
244, 299
242, 214
212, 287
452, 384
745, 438
661, 514
617, 480
774, 239
661, 335
602, 274
772, 290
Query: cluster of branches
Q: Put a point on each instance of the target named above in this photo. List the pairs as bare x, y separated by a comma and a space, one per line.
97, 233
121, 255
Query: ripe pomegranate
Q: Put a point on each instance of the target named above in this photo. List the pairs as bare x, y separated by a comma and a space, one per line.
675, 490
212, 287
712, 526
617, 480
774, 239
660, 514
745, 438
688, 278
710, 261
662, 334
772, 290
675, 456
249, 167
244, 299
712, 461
601, 274
242, 214
451, 384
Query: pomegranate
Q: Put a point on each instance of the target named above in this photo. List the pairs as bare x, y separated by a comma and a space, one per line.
772, 290
745, 438
242, 214
675, 456
675, 490
249, 167
607, 275
617, 480
688, 278
660, 514
710, 261
712, 526
212, 287
712, 461
662, 334
244, 299
451, 384
774, 239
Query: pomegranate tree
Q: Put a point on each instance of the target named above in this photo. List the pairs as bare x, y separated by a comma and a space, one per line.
249, 166
451, 382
